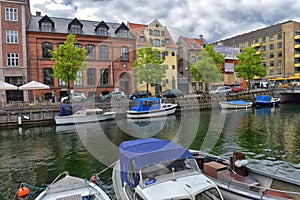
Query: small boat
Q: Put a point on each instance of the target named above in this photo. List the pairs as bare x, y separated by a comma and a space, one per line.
70, 187
78, 114
150, 107
238, 181
235, 104
154, 169
266, 100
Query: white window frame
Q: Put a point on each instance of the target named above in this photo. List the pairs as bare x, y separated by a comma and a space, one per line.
46, 27
79, 78
12, 59
12, 37
11, 14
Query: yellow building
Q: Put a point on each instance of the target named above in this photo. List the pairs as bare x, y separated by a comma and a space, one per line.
158, 36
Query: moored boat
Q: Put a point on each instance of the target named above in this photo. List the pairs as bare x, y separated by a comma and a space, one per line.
235, 104
70, 115
266, 100
238, 181
150, 107
154, 169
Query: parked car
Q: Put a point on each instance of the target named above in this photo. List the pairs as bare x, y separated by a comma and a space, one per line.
221, 90
75, 97
172, 93
140, 94
238, 88
118, 96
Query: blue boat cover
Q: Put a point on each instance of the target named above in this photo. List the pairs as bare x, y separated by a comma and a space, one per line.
67, 109
238, 102
264, 98
141, 153
146, 104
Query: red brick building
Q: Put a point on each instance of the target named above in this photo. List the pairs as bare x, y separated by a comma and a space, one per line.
13, 46
110, 48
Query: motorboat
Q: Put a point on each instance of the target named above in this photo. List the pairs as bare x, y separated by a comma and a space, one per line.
236, 180
78, 114
150, 107
71, 187
154, 169
266, 100
235, 104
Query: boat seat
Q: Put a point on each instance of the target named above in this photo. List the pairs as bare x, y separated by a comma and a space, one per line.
72, 197
275, 193
236, 179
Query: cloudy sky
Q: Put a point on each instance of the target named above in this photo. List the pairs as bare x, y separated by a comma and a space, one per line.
215, 20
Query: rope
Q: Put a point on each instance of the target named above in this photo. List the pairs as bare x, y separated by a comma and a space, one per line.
107, 168
63, 173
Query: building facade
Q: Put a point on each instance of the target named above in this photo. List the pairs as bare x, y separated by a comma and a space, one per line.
158, 36
13, 46
110, 55
279, 45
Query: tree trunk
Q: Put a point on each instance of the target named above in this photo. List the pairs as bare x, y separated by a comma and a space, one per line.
69, 90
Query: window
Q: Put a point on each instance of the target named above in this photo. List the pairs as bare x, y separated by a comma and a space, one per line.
279, 36
91, 76
279, 53
263, 48
279, 71
264, 64
103, 53
124, 54
90, 51
62, 83
167, 41
271, 63
263, 39
173, 53
173, 67
156, 42
142, 39
271, 55
156, 33
46, 46
271, 38
279, 63
164, 54
75, 28
279, 45
122, 33
48, 76
77, 45
102, 31
78, 80
158, 55
271, 46
194, 45
243, 45
12, 37
104, 77
193, 59
249, 43
12, 59
46, 27
11, 14
271, 72
264, 56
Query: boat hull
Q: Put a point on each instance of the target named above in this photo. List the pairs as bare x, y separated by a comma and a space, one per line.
235, 104
71, 119
167, 109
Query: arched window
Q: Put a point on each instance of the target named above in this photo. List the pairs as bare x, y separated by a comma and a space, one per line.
91, 76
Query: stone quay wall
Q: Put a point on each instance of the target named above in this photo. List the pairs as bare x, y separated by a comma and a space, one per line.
43, 113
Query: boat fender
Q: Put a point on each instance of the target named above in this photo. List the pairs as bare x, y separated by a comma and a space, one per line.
94, 179
241, 163
23, 193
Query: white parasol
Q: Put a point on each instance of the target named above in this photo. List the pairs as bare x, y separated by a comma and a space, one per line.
34, 85
6, 86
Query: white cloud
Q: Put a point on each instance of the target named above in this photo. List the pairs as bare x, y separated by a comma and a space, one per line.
215, 20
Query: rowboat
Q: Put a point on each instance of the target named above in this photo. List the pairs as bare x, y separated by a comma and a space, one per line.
235, 104
154, 169
70, 115
238, 181
150, 107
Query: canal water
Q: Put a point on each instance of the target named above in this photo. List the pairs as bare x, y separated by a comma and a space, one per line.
36, 155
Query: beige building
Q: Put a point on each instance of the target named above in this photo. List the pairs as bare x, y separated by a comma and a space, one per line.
279, 44
159, 37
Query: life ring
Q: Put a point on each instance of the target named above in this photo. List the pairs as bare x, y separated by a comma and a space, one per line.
23, 193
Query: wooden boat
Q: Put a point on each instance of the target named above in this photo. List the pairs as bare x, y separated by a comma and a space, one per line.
266, 100
70, 187
69, 115
238, 181
150, 107
235, 104
154, 169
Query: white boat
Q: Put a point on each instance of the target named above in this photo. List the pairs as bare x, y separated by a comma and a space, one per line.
238, 181
155, 169
69, 115
150, 107
235, 104
70, 187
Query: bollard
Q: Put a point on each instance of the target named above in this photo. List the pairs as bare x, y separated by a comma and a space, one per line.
19, 119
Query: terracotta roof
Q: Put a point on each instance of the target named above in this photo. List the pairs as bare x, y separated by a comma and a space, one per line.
194, 43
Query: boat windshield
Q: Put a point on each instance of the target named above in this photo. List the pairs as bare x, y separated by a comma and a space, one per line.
168, 170
210, 194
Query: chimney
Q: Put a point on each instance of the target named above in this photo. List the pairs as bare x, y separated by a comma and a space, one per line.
38, 13
201, 37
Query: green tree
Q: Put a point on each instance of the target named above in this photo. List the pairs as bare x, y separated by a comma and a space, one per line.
250, 65
68, 60
148, 66
207, 69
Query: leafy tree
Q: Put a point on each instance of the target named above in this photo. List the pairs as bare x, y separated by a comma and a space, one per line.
207, 69
68, 60
148, 66
250, 65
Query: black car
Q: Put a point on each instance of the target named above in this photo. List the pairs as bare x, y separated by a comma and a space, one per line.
172, 93
117, 96
140, 94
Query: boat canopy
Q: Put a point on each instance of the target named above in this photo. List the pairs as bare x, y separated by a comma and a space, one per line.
141, 153
264, 98
68, 109
146, 104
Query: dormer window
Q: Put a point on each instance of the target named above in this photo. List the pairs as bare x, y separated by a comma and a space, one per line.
75, 26
46, 24
102, 29
122, 31
194, 45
